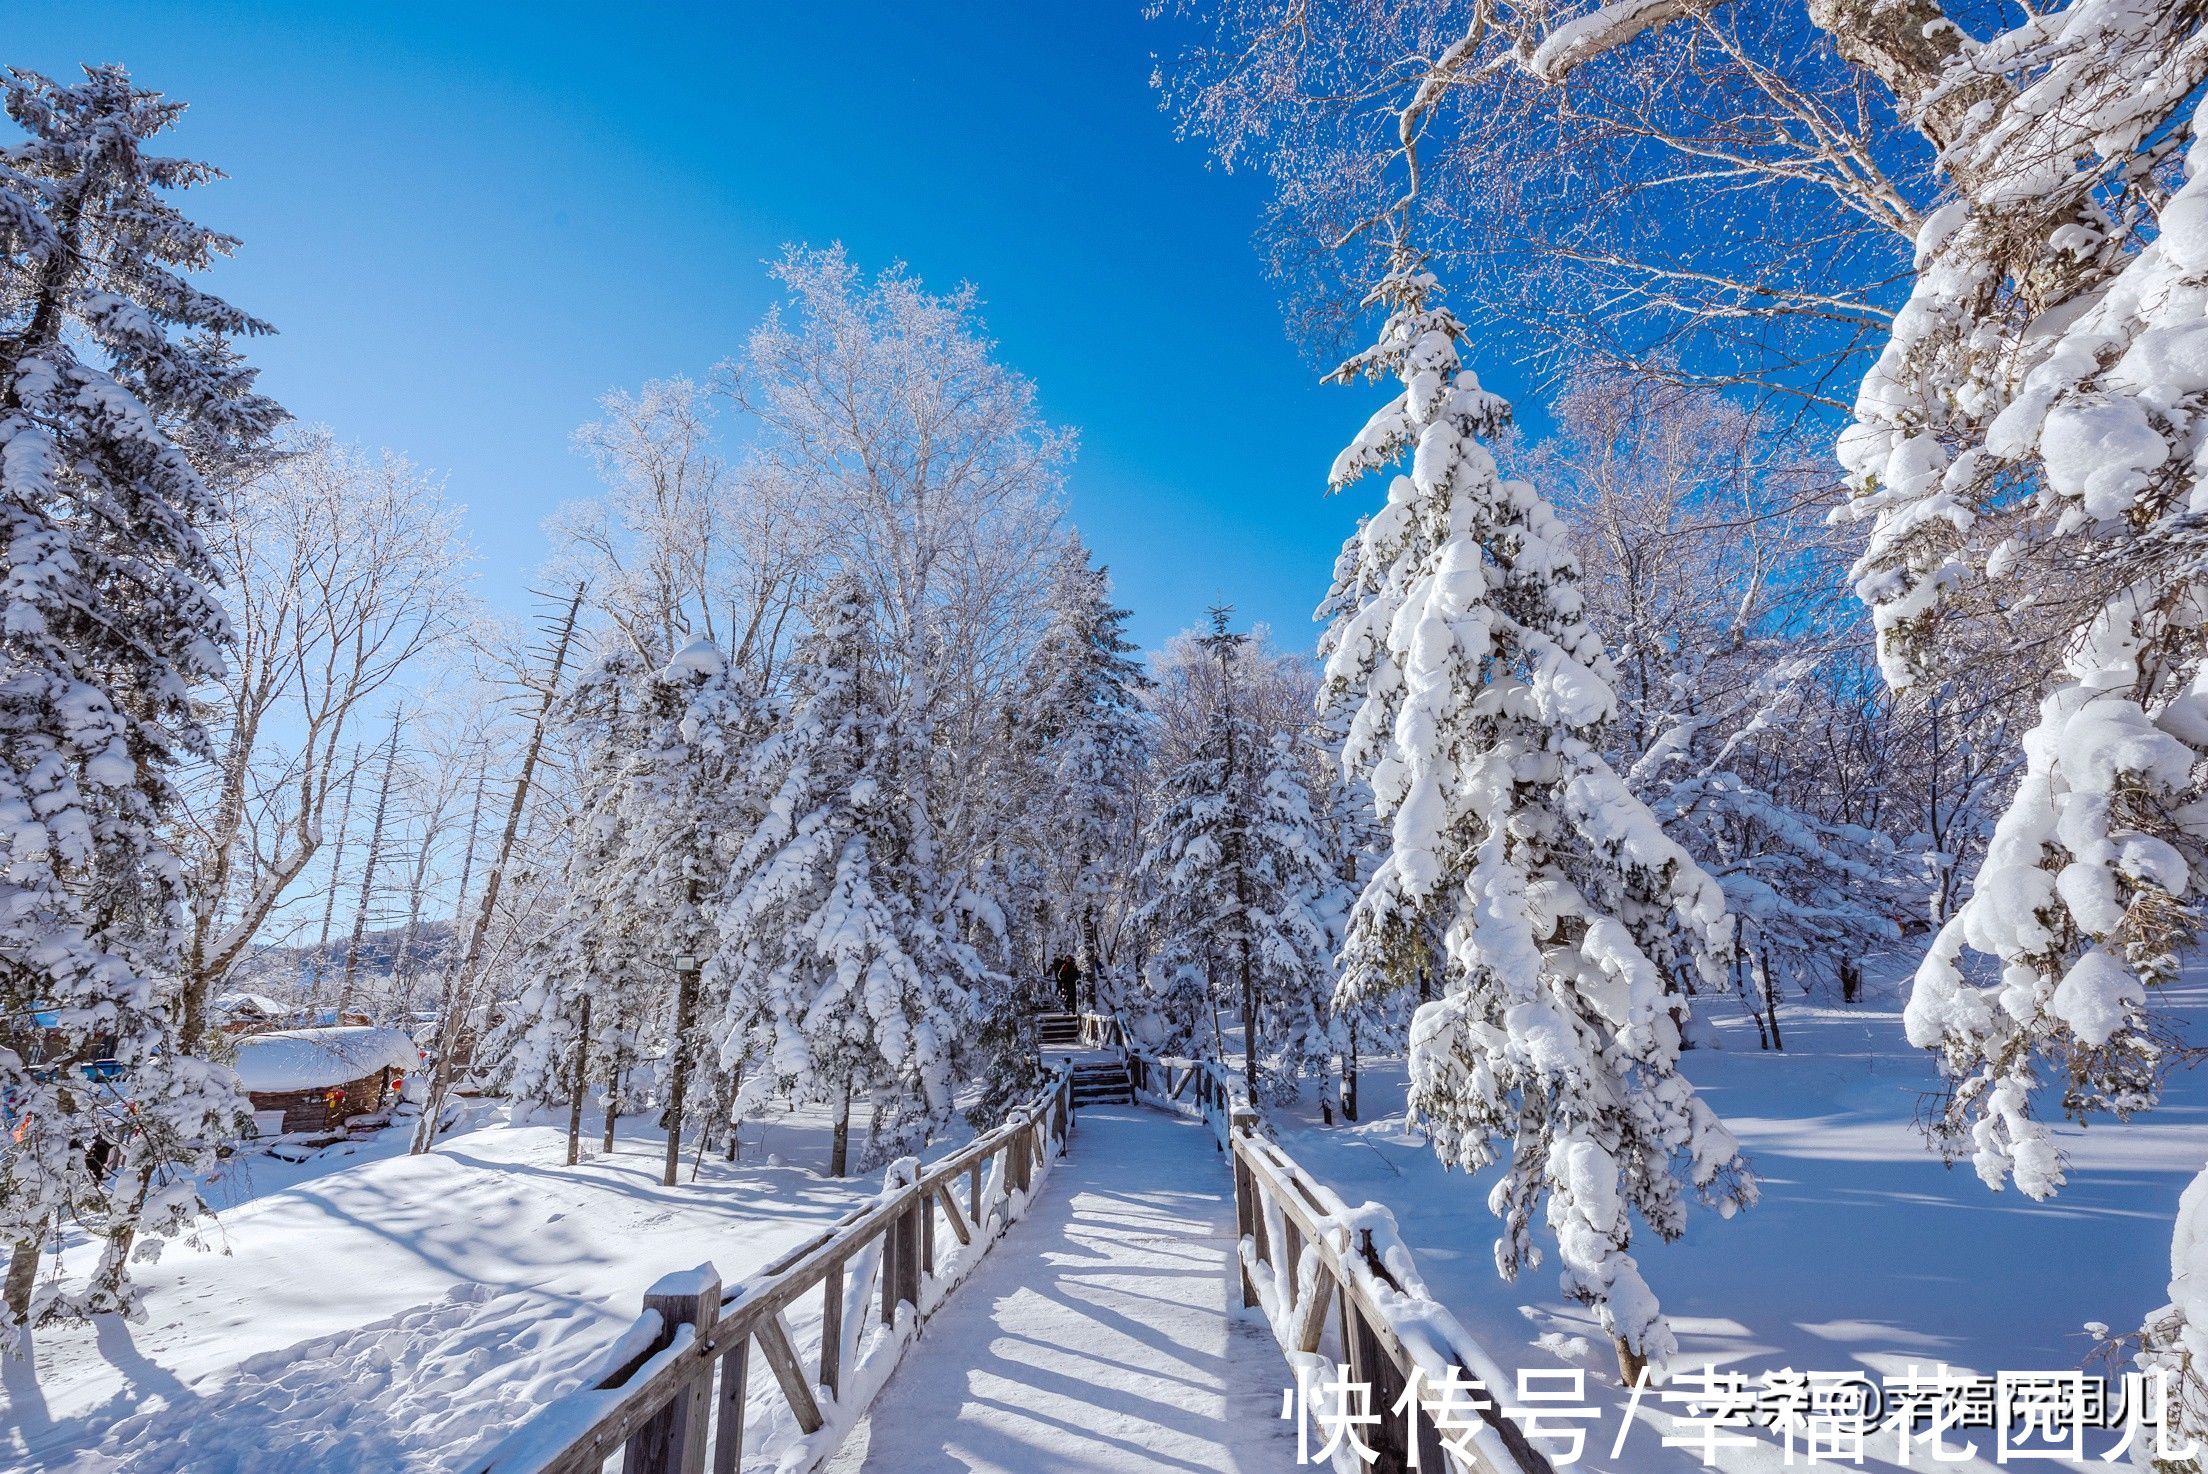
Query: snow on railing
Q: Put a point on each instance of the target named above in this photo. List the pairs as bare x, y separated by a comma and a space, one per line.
1339, 1289
673, 1385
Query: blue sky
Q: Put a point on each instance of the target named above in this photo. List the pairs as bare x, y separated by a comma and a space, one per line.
468, 221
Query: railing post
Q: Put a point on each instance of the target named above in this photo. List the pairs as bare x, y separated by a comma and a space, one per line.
892, 1273
728, 1441
673, 1440
831, 1330
1249, 1214
908, 1257
923, 1208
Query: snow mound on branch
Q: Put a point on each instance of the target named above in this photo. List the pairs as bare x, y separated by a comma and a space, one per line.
305, 1059
699, 657
425, 1390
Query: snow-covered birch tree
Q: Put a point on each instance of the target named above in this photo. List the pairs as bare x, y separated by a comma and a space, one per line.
1477, 695
344, 574
927, 475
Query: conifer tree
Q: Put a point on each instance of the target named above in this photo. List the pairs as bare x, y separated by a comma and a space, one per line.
663, 805
118, 395
843, 977
1084, 702
1241, 901
1476, 696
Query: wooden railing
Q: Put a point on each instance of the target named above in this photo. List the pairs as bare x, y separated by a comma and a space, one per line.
675, 1382
1339, 1288
1199, 1087
1104, 1031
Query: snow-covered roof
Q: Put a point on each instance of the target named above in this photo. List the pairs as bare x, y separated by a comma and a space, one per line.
306, 1059
259, 1003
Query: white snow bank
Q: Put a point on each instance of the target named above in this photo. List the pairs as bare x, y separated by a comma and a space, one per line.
305, 1059
325, 1262
434, 1377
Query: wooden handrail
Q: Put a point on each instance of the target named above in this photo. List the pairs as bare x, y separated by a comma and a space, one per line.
656, 1401
1312, 1266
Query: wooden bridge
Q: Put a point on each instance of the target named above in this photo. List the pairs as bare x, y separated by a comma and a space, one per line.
1150, 1314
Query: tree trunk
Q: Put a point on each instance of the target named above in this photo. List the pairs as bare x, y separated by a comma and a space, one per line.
1911, 46
114, 1267
1349, 1074
368, 875
462, 980
839, 1151
1093, 961
1249, 1020
1740, 986
1632, 1366
1770, 989
22, 1276
337, 860
1851, 980
735, 1089
678, 1083
1218, 1030
582, 1085
613, 1102
402, 967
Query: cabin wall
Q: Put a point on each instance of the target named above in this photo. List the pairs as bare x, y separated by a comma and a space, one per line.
312, 1110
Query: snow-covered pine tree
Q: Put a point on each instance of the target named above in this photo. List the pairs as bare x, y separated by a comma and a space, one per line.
842, 977
1084, 701
1299, 909
117, 392
1056, 873
663, 808
1477, 695
1242, 903
2033, 425
1371, 1014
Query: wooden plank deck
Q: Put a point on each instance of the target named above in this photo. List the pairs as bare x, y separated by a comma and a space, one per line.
1104, 1335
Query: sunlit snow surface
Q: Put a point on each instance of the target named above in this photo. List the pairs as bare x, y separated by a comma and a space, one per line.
388, 1312
1864, 1254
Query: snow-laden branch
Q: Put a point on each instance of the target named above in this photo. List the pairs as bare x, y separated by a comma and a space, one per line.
1603, 30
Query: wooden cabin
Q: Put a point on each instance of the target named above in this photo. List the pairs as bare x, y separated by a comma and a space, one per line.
311, 1080
247, 1013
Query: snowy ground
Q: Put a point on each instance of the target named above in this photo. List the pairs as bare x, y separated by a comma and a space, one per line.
376, 1311
1864, 1253
379, 1311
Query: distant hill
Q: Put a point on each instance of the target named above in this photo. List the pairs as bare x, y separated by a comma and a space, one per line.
289, 973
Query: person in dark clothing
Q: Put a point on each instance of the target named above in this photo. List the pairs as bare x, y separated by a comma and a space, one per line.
1068, 977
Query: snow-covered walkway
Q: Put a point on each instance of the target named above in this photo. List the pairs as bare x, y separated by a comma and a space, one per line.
1103, 1334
